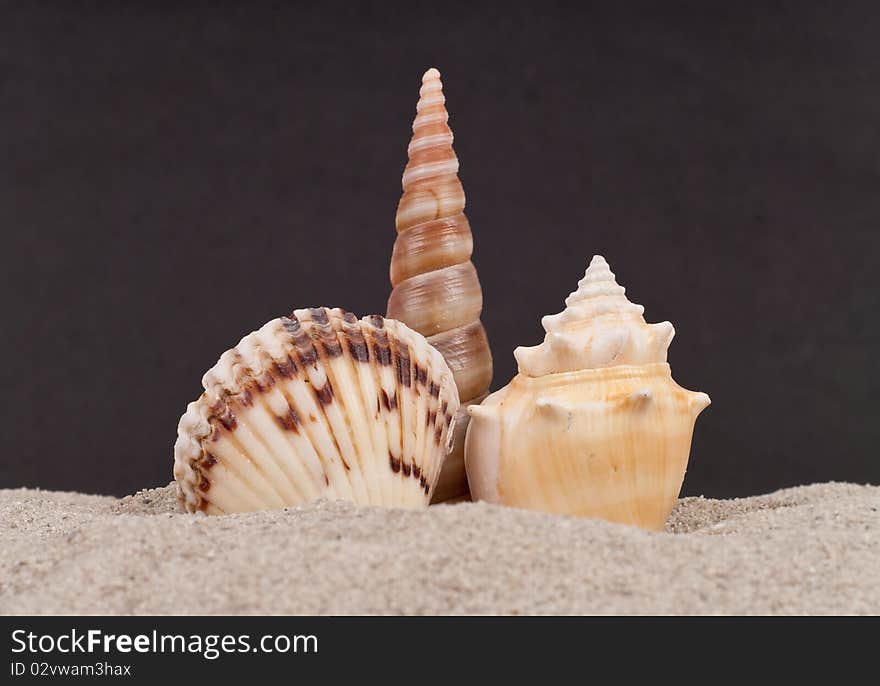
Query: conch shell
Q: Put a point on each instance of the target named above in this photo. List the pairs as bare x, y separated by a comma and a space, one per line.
593, 425
435, 286
318, 405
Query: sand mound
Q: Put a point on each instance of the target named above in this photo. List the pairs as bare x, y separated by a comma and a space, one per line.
814, 549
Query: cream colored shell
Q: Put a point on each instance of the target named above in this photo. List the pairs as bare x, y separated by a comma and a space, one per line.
318, 405
593, 425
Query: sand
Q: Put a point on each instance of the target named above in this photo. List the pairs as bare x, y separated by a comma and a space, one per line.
807, 550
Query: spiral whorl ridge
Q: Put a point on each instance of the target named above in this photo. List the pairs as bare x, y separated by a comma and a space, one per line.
435, 286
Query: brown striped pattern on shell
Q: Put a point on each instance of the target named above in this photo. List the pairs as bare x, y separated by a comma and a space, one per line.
436, 290
319, 404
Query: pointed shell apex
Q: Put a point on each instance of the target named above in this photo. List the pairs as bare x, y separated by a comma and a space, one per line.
599, 327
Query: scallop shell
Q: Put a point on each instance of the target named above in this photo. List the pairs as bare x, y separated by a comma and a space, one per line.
593, 424
318, 405
435, 286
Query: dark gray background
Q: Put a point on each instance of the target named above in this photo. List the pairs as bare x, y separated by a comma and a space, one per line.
173, 177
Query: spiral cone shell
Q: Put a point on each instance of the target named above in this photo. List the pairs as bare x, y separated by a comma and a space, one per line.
435, 286
318, 405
